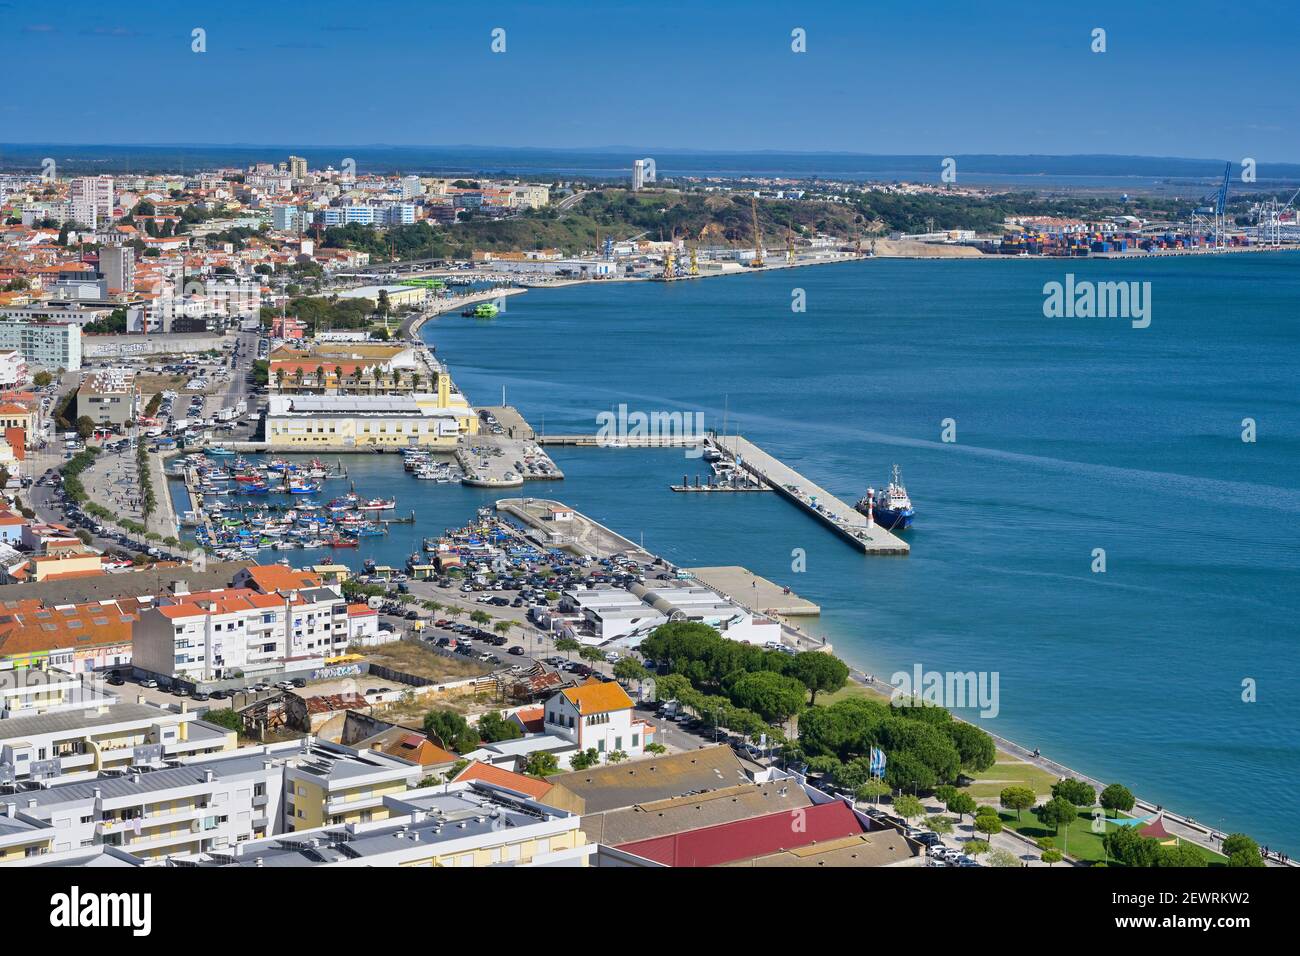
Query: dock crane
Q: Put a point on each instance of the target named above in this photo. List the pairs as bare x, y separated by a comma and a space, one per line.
789, 245
757, 261
1269, 219
1217, 209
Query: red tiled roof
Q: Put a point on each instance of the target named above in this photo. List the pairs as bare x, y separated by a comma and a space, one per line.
528, 786
757, 836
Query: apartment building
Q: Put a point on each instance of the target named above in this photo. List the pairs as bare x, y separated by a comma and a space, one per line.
111, 736
94, 194
32, 691
48, 345
471, 824
117, 266
334, 785
241, 632
190, 808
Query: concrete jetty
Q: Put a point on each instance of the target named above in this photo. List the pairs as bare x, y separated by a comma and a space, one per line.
817, 501
758, 593
559, 526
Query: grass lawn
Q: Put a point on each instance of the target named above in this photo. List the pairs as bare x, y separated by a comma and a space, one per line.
851, 689
1007, 772
1083, 843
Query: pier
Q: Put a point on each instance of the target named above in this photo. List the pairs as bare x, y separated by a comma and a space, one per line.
853, 527
631, 441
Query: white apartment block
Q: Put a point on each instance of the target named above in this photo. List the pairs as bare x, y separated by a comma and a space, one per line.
91, 196
220, 635
113, 735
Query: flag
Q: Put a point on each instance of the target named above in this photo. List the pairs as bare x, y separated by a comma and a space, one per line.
877, 762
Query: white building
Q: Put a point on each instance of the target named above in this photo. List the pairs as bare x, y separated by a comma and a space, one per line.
49, 345
71, 744
238, 632
91, 196
13, 369
597, 715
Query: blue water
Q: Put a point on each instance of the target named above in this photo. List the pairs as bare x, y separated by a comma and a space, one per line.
1072, 435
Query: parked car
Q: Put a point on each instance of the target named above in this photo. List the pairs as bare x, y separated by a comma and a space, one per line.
517, 651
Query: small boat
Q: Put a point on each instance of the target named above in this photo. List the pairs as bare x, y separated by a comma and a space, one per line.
891, 508
216, 451
377, 504
339, 541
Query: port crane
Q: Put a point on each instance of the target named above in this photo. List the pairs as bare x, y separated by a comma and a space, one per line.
1214, 215
1269, 219
757, 261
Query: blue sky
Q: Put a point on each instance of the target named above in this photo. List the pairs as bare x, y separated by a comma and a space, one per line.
1191, 78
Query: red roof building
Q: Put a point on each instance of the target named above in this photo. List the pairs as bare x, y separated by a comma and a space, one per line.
754, 837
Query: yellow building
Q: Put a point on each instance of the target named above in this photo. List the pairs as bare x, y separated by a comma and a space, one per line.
365, 422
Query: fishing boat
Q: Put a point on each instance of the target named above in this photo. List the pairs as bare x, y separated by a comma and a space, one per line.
302, 487
340, 541
216, 451
891, 508
369, 531
377, 504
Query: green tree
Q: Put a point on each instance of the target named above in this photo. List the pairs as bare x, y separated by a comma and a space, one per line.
493, 727
1017, 798
631, 669
819, 671
1003, 859
1076, 791
988, 823
976, 847
480, 618
1052, 856
42, 379
85, 427
774, 697
451, 731
908, 807
1183, 856
1056, 813
872, 789
541, 764
655, 749
1128, 847
1241, 850
591, 654
567, 645
940, 824
961, 804
1117, 797
584, 759
616, 756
